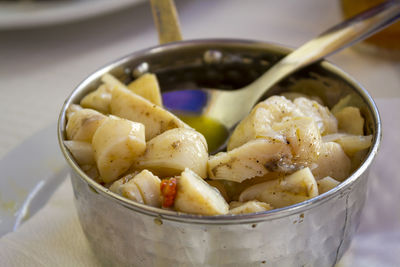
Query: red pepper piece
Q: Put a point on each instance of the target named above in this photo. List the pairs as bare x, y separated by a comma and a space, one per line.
168, 191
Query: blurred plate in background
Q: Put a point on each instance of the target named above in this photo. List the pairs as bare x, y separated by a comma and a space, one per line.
28, 14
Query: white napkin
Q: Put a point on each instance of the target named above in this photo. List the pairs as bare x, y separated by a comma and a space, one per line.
53, 236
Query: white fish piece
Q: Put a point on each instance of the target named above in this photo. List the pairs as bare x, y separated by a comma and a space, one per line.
324, 119
293, 95
252, 127
303, 137
280, 108
255, 158
259, 122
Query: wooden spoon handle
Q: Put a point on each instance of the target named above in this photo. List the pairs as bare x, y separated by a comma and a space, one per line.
166, 20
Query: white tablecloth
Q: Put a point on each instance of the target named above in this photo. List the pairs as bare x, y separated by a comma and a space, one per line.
53, 236
39, 68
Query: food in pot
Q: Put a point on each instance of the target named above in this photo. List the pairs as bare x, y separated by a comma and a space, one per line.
287, 150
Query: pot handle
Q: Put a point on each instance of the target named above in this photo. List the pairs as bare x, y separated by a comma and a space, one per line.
166, 21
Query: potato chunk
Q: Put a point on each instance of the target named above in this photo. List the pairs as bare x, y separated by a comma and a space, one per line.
194, 195
350, 121
83, 123
116, 186
117, 143
332, 162
290, 190
157, 120
169, 153
112, 82
149, 186
71, 110
220, 187
147, 87
131, 191
99, 99
143, 187
81, 151
248, 207
92, 172
351, 144
327, 183
127, 188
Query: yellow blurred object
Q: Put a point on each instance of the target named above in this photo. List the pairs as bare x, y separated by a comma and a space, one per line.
388, 39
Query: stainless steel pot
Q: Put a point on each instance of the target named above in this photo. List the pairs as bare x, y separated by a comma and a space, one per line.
312, 233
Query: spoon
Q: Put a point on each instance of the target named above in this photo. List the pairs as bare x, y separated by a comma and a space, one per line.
218, 103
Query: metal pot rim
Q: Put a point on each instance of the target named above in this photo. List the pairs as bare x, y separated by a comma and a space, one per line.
299, 208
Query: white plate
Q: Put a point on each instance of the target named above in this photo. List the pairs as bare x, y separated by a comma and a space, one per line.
30, 173
28, 14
